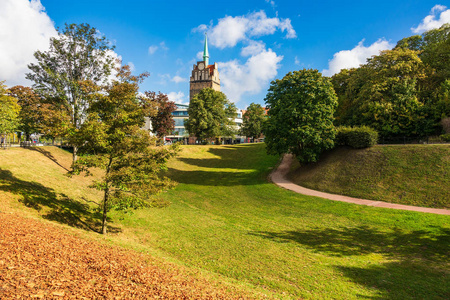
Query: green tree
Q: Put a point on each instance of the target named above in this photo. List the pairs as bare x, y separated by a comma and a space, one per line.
162, 121
383, 94
77, 54
436, 52
210, 115
30, 104
253, 121
301, 108
9, 112
113, 140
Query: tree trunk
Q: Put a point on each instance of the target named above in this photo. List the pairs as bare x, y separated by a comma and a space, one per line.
105, 210
75, 151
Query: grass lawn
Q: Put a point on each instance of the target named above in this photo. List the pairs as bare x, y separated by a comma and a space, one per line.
407, 174
225, 218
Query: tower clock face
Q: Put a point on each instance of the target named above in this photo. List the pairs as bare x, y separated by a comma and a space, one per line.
201, 66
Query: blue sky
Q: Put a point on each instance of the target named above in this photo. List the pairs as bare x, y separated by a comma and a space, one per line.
253, 41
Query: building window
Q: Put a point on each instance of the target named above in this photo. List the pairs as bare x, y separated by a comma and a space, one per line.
179, 121
180, 113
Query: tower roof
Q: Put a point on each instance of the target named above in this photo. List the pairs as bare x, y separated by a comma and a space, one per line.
205, 51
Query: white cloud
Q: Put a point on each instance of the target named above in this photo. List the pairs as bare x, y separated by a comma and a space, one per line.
297, 61
434, 19
152, 49
163, 46
117, 64
164, 78
178, 79
237, 79
254, 47
231, 30
272, 3
177, 97
346, 59
199, 55
24, 28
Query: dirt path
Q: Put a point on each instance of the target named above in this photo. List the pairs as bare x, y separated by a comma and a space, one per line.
279, 178
40, 261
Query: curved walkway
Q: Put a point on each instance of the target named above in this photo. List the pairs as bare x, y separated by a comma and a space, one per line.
279, 178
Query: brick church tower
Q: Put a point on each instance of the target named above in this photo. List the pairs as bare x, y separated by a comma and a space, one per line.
204, 75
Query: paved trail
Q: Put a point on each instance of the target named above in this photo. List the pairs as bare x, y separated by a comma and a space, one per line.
279, 178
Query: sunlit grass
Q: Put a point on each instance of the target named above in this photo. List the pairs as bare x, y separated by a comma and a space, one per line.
406, 174
225, 218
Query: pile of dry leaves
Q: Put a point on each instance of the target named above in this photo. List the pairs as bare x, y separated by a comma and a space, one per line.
38, 260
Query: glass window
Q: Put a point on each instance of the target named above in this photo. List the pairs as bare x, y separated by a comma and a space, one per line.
180, 113
179, 121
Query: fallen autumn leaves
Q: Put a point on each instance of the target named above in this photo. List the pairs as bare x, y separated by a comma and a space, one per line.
41, 261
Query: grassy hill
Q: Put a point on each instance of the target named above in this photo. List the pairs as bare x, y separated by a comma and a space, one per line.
225, 221
406, 174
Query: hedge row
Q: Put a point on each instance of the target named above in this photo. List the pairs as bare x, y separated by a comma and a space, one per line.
356, 137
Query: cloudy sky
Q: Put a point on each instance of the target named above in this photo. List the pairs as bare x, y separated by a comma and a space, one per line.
253, 41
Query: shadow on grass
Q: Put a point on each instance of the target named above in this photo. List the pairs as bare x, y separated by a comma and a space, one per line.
418, 266
213, 178
401, 280
421, 244
47, 154
54, 206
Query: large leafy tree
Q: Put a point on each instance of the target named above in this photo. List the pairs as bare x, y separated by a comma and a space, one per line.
9, 112
113, 140
76, 55
434, 51
301, 108
253, 121
383, 94
30, 113
210, 115
162, 121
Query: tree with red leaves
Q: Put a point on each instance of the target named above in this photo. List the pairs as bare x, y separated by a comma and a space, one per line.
162, 123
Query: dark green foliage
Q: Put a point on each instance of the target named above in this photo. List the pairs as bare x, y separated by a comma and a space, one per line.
210, 114
301, 108
401, 92
382, 94
30, 112
356, 137
253, 121
445, 137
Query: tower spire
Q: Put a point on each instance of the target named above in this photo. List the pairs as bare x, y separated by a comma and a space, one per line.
205, 51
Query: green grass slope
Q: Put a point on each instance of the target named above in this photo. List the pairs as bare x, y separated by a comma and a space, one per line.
226, 220
406, 174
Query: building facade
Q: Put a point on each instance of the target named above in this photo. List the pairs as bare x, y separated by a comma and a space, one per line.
204, 75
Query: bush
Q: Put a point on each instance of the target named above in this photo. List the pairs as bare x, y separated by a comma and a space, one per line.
341, 135
445, 137
356, 137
